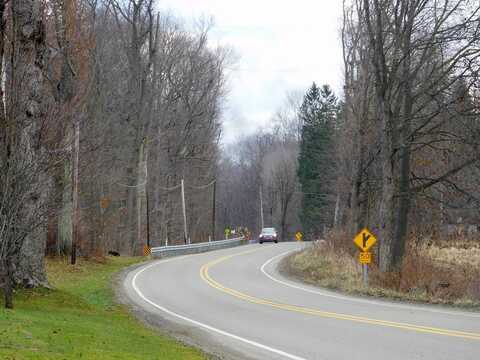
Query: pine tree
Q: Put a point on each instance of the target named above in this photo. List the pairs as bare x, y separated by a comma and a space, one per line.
318, 114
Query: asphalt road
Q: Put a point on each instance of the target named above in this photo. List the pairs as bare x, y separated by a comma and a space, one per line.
235, 304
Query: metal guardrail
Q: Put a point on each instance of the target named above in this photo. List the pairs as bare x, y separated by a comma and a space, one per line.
165, 251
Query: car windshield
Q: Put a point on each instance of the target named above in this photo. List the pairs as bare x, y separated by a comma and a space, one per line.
268, 231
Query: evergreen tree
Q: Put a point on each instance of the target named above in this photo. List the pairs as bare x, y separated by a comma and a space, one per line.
318, 113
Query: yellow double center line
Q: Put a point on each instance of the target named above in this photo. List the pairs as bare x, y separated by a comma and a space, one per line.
204, 274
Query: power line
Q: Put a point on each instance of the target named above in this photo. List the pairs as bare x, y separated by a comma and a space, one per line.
132, 186
170, 188
202, 187
259, 70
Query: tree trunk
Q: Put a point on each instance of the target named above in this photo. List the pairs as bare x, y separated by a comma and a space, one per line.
284, 225
75, 207
387, 205
3, 123
8, 290
141, 195
134, 217
54, 211
401, 226
403, 207
6, 275
336, 218
356, 213
29, 58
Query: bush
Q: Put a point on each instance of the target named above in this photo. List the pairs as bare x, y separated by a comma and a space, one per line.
435, 271
443, 274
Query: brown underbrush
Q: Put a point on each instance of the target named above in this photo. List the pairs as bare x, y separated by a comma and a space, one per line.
441, 271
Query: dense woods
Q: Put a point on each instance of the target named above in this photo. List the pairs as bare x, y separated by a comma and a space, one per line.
107, 106
398, 152
411, 110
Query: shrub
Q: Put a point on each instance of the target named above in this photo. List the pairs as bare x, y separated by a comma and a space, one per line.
438, 271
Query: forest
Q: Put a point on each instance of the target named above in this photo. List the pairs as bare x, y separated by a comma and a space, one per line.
111, 110
397, 151
107, 107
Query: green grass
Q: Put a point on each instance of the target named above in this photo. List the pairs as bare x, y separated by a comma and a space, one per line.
79, 319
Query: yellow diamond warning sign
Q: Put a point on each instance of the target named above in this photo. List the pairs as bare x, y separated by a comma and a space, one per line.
365, 240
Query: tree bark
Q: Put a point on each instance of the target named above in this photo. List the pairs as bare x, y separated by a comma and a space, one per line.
6, 274
75, 209
54, 211
29, 61
404, 196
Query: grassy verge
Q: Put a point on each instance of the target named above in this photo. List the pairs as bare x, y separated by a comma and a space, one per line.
436, 275
80, 320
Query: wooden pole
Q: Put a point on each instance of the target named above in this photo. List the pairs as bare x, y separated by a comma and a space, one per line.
140, 189
146, 197
185, 233
261, 207
148, 215
214, 210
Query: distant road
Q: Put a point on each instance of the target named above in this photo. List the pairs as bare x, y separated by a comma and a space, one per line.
234, 303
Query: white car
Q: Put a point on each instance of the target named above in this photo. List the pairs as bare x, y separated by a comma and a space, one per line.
268, 234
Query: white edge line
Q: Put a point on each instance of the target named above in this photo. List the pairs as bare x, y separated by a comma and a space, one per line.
205, 326
352, 299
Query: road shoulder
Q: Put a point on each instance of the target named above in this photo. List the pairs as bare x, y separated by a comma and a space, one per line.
284, 272
157, 320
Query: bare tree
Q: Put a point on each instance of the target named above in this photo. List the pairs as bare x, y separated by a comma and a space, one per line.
23, 158
280, 177
416, 51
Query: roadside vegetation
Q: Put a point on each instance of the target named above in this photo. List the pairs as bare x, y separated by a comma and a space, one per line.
79, 319
436, 271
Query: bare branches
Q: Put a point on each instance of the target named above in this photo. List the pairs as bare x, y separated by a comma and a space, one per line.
445, 176
424, 57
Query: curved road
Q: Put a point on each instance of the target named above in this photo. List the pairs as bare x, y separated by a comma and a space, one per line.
234, 303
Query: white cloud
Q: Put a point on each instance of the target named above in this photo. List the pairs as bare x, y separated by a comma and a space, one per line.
283, 46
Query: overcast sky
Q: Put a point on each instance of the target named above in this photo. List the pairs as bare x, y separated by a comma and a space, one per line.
282, 46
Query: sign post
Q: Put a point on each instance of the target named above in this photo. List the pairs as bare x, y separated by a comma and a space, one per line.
365, 274
365, 240
365, 259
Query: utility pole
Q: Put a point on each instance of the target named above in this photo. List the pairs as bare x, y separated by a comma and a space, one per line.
141, 189
185, 233
75, 219
146, 198
214, 210
261, 207
148, 215
166, 234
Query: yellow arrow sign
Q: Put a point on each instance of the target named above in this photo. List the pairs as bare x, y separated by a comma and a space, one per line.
365, 240
299, 236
